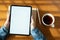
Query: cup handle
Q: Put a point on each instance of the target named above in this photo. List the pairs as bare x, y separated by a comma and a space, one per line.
52, 25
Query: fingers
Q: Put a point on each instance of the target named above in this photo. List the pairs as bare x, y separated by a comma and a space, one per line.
32, 23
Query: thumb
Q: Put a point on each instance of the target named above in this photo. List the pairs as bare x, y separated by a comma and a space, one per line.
32, 23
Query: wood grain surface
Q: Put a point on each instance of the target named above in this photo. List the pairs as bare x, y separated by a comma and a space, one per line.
44, 6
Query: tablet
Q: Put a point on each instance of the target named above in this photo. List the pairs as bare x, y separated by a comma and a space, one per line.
20, 19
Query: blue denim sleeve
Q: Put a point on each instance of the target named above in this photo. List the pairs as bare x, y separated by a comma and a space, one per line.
37, 34
3, 33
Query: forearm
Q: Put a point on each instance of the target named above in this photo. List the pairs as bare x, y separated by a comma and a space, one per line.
37, 35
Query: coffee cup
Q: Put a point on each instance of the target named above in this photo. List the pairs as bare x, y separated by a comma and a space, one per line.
48, 19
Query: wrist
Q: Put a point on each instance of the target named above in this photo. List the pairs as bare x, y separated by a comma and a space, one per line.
6, 26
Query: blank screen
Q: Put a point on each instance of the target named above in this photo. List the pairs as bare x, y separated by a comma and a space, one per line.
20, 20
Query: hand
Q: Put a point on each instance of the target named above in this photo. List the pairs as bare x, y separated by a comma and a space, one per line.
32, 23
7, 23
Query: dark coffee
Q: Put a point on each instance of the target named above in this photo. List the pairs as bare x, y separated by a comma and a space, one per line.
47, 19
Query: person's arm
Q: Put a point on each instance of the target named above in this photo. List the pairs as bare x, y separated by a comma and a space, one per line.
4, 29
35, 32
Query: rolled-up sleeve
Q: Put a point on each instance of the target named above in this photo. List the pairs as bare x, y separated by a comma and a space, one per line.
3, 33
37, 34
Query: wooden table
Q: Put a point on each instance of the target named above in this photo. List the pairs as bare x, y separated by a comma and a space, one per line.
51, 6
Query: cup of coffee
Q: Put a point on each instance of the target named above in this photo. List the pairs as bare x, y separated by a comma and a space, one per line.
48, 20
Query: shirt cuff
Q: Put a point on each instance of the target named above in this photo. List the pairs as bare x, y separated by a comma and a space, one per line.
5, 29
37, 34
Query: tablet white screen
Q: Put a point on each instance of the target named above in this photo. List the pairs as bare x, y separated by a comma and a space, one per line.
20, 20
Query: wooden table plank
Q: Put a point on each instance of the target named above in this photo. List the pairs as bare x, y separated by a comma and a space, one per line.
45, 6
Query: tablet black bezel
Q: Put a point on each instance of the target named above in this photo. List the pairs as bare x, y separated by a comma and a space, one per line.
29, 24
